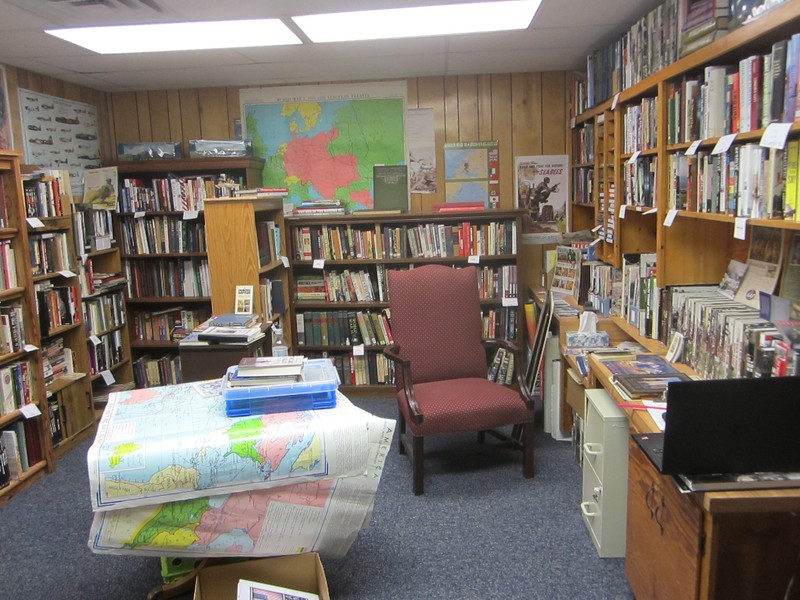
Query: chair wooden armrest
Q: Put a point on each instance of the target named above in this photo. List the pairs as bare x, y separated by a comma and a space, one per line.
392, 352
495, 343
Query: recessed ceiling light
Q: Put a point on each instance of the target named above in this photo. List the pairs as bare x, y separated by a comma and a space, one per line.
419, 21
169, 37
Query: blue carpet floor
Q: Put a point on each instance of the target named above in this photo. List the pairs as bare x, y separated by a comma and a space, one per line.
480, 531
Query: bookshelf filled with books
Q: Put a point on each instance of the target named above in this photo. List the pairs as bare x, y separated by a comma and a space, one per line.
102, 285
59, 307
338, 279
693, 177
25, 441
161, 228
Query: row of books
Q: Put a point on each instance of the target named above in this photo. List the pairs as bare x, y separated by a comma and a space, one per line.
640, 180
57, 306
93, 228
157, 234
15, 386
105, 351
12, 329
50, 252
343, 286
748, 181
102, 313
268, 235
166, 194
501, 369
373, 368
345, 242
640, 296
47, 193
640, 126
8, 266
343, 327
177, 278
151, 372
20, 449
57, 361
170, 324
499, 323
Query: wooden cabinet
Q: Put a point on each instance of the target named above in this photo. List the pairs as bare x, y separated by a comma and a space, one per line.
338, 279
641, 149
162, 234
21, 376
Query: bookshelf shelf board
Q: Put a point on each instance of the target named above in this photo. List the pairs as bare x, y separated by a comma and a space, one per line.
164, 255
651, 345
11, 293
270, 267
33, 473
189, 165
11, 357
153, 345
97, 253
63, 383
62, 330
169, 300
8, 232
114, 367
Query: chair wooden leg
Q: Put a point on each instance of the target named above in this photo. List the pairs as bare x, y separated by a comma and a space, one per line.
527, 450
417, 457
401, 429
481, 437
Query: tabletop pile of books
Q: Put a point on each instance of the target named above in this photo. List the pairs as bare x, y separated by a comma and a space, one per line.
228, 328
642, 375
270, 384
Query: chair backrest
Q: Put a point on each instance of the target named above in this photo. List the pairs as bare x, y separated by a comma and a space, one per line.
436, 321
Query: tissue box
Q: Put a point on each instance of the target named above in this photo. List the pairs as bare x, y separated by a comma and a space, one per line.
580, 339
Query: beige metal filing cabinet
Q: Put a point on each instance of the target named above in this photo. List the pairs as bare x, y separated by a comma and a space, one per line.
605, 473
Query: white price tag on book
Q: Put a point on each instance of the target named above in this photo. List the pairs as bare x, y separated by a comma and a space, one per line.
723, 143
473, 259
319, 263
596, 241
740, 228
29, 411
358, 350
775, 135
596, 229
30, 348
35, 222
108, 377
692, 150
673, 212
188, 215
94, 339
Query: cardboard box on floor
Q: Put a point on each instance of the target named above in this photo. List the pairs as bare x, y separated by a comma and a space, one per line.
301, 572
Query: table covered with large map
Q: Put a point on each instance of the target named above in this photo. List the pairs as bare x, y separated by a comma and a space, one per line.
171, 474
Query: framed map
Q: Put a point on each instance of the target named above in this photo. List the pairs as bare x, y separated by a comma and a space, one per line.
321, 142
471, 172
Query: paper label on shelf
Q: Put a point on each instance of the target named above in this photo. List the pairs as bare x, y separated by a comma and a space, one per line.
740, 228
66, 273
723, 143
651, 211
30, 348
285, 261
622, 211
103, 243
319, 263
596, 241
358, 350
572, 123
692, 150
108, 377
83, 258
775, 135
510, 301
94, 339
35, 222
190, 214
596, 229
615, 101
139, 214
673, 212
473, 259
634, 157
29, 411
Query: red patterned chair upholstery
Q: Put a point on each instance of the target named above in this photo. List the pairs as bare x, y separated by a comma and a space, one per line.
441, 364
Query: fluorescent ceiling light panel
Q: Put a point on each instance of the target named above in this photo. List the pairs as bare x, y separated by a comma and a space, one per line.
169, 37
419, 21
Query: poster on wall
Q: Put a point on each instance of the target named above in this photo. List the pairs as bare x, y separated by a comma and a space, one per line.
542, 189
321, 142
6, 134
472, 173
421, 151
59, 133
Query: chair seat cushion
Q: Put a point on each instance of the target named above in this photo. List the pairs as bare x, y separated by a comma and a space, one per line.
469, 404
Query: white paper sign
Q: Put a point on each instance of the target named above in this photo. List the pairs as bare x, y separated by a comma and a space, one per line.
66, 273
319, 263
634, 157
723, 143
596, 241
35, 222
614, 101
691, 150
108, 378
740, 228
596, 229
190, 214
510, 302
29, 411
94, 339
651, 211
285, 261
358, 350
30, 348
139, 214
673, 212
622, 211
775, 135
474, 259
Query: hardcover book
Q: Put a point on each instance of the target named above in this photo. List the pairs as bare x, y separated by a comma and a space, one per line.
259, 366
390, 184
647, 385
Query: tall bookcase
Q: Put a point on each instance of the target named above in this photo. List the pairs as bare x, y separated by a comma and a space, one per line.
338, 279
21, 376
162, 235
697, 242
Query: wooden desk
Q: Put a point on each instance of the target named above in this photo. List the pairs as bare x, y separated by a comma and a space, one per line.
714, 545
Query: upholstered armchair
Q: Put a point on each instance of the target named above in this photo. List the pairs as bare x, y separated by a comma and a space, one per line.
441, 365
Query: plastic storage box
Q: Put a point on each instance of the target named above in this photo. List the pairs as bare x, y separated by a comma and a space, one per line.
315, 392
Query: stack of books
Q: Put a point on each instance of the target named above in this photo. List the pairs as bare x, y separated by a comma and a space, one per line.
228, 328
319, 207
267, 370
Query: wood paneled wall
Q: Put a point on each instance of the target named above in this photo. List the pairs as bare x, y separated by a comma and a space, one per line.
527, 113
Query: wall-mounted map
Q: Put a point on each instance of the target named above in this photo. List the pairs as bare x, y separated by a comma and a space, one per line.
471, 172
59, 133
322, 142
